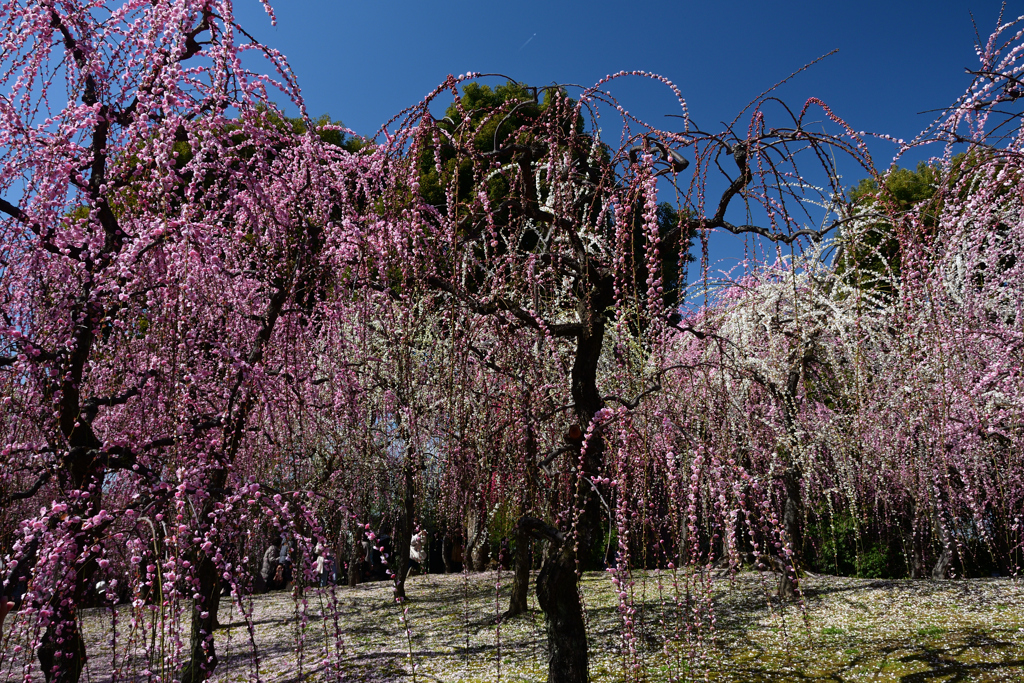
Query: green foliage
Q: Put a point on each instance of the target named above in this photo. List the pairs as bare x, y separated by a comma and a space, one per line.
872, 251
494, 116
871, 247
843, 547
487, 119
327, 130
905, 187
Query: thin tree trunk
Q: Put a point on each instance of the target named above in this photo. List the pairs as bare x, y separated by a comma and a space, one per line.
915, 561
517, 603
475, 554
446, 553
353, 556
403, 532
791, 535
946, 556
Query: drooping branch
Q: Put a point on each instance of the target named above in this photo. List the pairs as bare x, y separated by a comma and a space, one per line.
91, 406
500, 304
43, 477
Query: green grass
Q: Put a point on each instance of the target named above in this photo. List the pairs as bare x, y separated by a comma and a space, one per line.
930, 631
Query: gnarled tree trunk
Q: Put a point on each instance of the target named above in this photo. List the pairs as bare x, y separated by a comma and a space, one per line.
62, 652
204, 622
203, 654
563, 614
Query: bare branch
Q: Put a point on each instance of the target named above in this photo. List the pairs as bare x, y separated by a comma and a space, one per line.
541, 530
22, 495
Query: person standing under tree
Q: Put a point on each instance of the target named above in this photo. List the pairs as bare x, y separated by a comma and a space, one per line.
270, 562
284, 561
5, 607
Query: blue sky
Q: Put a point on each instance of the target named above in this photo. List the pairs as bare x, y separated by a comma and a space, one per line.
364, 62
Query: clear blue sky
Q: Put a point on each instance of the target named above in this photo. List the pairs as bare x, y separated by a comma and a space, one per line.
364, 62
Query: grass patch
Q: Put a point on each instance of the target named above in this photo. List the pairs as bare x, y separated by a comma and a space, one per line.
930, 631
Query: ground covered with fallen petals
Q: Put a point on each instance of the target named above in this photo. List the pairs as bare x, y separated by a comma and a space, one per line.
843, 630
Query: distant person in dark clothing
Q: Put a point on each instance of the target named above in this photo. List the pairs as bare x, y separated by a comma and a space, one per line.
5, 607
270, 564
284, 560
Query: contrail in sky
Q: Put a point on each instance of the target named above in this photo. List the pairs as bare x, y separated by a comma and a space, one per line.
527, 42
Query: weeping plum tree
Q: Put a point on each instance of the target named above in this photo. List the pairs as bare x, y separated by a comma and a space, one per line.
536, 234
155, 230
895, 403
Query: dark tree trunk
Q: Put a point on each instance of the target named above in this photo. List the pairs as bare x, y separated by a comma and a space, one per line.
446, 553
203, 654
588, 401
403, 532
521, 580
203, 659
62, 653
563, 614
917, 568
791, 480
915, 561
557, 589
353, 569
475, 554
522, 561
354, 555
946, 554
791, 535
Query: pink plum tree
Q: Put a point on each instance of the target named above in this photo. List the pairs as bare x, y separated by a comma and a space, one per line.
162, 231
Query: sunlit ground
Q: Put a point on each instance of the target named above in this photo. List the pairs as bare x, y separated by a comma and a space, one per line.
844, 630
